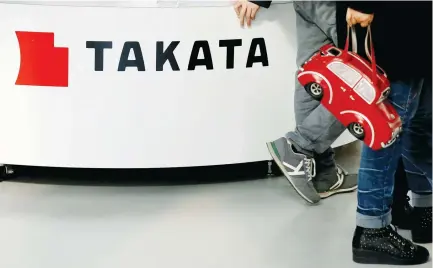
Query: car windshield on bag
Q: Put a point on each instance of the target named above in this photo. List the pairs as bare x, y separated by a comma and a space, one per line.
347, 74
365, 90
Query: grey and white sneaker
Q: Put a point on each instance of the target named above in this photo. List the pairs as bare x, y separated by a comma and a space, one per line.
298, 168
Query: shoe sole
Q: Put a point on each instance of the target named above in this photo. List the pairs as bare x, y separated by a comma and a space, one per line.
339, 191
374, 257
283, 170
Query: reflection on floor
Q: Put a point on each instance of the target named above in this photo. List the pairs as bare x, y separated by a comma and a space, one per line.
249, 224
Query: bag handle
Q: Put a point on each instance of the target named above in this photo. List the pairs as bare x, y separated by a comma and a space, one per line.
368, 45
370, 54
351, 33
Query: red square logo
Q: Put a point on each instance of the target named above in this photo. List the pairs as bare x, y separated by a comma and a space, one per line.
41, 63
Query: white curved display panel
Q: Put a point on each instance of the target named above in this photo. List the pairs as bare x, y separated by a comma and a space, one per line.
116, 100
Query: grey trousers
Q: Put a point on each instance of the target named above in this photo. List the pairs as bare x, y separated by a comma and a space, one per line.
316, 128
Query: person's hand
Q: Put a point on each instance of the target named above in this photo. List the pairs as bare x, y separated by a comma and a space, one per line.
354, 17
246, 11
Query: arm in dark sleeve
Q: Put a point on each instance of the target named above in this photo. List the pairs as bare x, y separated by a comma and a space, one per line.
366, 7
264, 4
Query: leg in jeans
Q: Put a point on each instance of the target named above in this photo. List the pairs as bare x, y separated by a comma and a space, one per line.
377, 169
374, 240
401, 209
417, 150
401, 186
417, 158
402, 212
316, 128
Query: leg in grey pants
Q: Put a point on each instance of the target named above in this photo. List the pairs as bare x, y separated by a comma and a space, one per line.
304, 155
316, 128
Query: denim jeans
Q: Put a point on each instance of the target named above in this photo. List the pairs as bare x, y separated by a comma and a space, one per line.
413, 101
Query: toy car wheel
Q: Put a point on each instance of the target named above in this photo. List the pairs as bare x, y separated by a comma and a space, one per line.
357, 130
315, 90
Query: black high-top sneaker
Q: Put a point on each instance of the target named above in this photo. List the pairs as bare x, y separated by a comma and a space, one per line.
386, 246
422, 225
402, 213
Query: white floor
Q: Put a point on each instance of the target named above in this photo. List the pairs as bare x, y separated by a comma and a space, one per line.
252, 224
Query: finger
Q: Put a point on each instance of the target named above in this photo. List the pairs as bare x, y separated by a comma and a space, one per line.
366, 22
248, 16
353, 21
348, 15
248, 21
254, 12
349, 18
237, 8
242, 15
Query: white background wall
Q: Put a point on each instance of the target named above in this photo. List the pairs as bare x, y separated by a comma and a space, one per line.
147, 119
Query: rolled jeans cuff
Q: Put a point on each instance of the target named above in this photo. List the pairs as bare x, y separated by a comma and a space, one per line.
372, 222
422, 200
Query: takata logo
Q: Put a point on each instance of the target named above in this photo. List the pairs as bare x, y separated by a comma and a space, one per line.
41, 63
